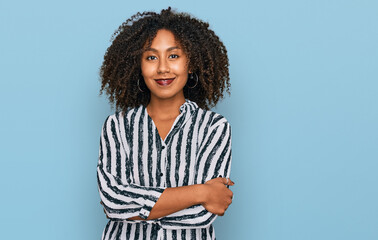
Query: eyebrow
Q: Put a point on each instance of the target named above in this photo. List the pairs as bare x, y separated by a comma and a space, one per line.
168, 49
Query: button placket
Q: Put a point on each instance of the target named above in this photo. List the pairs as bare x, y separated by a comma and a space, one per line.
164, 163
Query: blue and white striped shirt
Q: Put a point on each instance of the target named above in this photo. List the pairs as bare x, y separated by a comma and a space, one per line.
135, 166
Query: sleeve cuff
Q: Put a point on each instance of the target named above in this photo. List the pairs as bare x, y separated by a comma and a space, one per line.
150, 203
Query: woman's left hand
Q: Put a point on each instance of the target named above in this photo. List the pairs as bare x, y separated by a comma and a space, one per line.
104, 210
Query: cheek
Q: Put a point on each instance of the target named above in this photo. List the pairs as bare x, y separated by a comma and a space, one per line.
146, 69
181, 68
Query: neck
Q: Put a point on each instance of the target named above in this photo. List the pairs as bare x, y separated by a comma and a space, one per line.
165, 108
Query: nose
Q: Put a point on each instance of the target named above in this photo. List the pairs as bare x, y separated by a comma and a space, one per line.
163, 66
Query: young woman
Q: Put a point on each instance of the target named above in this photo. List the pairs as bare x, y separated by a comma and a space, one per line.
164, 160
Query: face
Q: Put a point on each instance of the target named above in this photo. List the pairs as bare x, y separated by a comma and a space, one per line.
164, 67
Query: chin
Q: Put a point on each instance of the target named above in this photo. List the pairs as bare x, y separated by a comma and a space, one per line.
168, 96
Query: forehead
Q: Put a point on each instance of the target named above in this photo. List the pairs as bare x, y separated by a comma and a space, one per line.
164, 39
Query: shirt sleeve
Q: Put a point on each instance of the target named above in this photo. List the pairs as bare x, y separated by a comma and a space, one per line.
120, 198
213, 160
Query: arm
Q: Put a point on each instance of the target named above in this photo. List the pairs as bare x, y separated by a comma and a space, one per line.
214, 195
129, 201
121, 199
213, 159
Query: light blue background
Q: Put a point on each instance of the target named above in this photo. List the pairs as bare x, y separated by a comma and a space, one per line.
303, 110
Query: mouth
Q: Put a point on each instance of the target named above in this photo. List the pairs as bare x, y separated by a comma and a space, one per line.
164, 81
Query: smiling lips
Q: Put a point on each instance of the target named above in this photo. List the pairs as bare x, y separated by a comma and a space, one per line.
164, 81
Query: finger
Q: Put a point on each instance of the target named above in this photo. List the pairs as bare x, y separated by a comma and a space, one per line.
219, 179
225, 181
106, 214
230, 182
229, 193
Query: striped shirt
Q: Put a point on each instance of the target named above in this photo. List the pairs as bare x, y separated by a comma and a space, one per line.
135, 166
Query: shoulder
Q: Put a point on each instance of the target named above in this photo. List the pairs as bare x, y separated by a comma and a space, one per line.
112, 118
214, 119
121, 116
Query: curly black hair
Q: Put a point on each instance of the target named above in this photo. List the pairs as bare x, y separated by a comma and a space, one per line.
121, 69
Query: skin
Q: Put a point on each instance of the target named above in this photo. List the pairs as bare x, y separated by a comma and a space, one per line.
165, 59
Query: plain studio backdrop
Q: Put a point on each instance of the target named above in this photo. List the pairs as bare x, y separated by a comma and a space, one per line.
303, 111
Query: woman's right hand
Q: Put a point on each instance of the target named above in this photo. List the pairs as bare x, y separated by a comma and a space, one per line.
217, 195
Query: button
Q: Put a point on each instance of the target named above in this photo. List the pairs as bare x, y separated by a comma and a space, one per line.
162, 147
161, 174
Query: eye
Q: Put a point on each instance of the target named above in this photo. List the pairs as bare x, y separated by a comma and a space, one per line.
149, 58
173, 56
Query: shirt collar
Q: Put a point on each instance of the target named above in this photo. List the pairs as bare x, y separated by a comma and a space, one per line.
188, 106
186, 111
